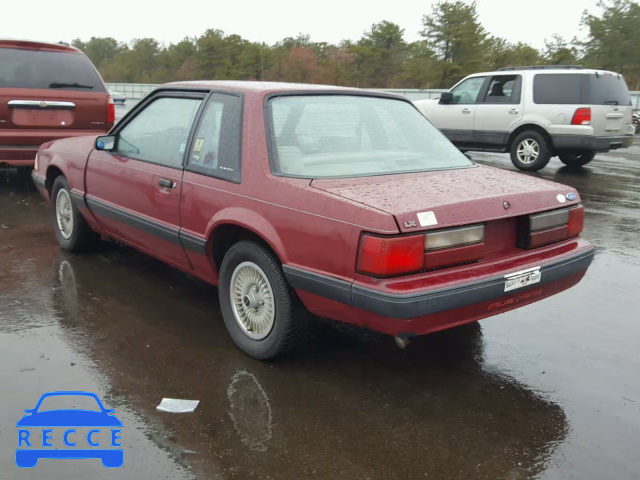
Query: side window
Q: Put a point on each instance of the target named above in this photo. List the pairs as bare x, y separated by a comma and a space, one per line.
504, 89
217, 144
159, 133
558, 89
467, 92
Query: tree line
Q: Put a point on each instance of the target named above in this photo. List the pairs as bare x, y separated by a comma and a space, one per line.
453, 44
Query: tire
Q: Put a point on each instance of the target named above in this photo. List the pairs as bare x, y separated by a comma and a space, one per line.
277, 330
71, 229
576, 158
530, 151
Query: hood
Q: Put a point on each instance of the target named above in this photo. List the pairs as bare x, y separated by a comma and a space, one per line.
454, 197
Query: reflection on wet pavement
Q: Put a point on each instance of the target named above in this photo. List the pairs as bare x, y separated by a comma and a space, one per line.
547, 392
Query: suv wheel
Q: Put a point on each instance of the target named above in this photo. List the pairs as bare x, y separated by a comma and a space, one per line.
257, 303
576, 158
71, 229
530, 151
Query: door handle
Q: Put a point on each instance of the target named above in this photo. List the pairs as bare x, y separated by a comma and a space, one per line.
513, 111
466, 110
166, 183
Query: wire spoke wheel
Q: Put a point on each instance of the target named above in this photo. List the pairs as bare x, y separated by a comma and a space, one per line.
252, 300
528, 151
64, 213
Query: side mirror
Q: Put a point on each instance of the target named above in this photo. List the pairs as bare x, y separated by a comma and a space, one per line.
106, 143
446, 98
28, 410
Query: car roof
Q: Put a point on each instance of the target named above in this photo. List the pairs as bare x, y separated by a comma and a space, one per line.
36, 45
518, 70
247, 86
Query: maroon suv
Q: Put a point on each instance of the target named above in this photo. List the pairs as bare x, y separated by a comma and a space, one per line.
47, 91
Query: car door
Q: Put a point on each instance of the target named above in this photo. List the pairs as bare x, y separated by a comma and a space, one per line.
498, 111
133, 186
455, 119
212, 177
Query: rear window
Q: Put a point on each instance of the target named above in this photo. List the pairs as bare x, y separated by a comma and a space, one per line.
43, 69
322, 136
574, 88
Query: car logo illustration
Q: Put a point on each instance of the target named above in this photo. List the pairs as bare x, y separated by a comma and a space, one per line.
571, 196
44, 104
102, 423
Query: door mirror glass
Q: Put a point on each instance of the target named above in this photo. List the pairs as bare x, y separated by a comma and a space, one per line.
446, 98
106, 143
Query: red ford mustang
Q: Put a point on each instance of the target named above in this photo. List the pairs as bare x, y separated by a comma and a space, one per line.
344, 203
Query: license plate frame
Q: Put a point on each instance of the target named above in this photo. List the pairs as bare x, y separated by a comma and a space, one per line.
522, 279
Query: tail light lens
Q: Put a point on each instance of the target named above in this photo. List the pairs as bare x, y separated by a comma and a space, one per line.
550, 227
388, 256
111, 110
582, 116
576, 221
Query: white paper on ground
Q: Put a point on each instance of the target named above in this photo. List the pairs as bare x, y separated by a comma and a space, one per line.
175, 405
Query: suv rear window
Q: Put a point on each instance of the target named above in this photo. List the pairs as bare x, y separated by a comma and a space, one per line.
45, 69
576, 88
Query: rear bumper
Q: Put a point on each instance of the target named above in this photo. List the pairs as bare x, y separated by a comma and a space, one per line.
19, 156
597, 144
19, 146
432, 302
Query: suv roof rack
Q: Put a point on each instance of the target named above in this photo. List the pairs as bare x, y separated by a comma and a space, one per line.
543, 67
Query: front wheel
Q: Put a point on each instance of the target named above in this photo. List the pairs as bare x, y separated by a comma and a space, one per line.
257, 303
576, 158
530, 151
71, 229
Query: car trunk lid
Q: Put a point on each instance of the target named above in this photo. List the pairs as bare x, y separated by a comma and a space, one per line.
447, 198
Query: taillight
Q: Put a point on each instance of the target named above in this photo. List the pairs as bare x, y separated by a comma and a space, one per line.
388, 256
111, 110
582, 117
550, 227
576, 221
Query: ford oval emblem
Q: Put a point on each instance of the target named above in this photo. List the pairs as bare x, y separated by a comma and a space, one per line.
100, 145
571, 196
43, 104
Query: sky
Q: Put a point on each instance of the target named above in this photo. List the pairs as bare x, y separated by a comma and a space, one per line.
528, 21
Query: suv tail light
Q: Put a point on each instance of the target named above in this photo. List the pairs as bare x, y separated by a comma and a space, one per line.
111, 110
550, 227
582, 117
388, 256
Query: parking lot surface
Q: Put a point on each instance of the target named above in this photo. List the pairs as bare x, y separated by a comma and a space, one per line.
550, 391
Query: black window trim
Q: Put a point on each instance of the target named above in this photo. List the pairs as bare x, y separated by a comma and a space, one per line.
195, 94
207, 172
517, 88
270, 131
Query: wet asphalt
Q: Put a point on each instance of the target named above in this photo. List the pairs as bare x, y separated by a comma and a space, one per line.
549, 391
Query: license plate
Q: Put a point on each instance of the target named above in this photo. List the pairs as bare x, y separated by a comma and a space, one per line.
522, 279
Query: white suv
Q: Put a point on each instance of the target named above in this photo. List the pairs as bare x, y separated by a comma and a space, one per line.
536, 113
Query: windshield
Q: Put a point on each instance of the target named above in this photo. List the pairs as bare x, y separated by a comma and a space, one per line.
21, 68
320, 136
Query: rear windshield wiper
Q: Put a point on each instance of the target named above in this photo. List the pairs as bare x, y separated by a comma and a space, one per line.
611, 102
69, 85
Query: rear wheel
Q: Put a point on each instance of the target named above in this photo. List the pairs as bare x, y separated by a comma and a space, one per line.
71, 229
257, 303
530, 151
576, 158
